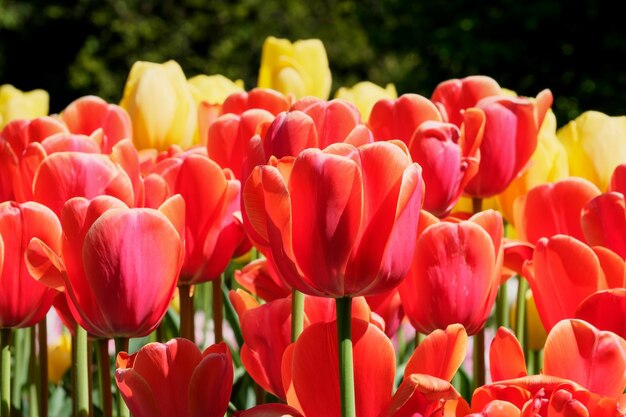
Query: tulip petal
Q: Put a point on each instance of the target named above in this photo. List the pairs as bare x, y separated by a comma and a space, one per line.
44, 265
211, 383
316, 372
605, 310
506, 357
603, 222
270, 410
137, 393
423, 395
440, 354
596, 359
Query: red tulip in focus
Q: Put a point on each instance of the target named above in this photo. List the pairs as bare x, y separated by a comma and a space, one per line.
565, 271
584, 374
89, 113
510, 138
229, 137
553, 208
211, 194
176, 379
449, 158
399, 118
260, 279
603, 222
452, 97
455, 274
340, 222
118, 266
24, 301
605, 310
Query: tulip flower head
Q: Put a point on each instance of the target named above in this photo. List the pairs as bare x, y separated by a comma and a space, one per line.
300, 68
339, 222
16, 104
365, 94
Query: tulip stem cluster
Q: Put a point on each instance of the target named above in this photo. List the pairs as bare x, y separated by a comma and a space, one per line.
479, 359
121, 345
42, 340
297, 314
186, 312
82, 373
346, 365
33, 391
502, 307
5, 341
520, 317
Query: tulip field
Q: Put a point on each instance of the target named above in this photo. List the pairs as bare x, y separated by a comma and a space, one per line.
202, 250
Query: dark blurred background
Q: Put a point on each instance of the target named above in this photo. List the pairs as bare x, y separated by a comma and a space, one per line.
74, 48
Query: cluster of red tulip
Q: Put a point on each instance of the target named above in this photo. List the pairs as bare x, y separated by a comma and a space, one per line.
342, 231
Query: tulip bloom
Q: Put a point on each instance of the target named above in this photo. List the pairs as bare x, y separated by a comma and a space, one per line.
176, 379
340, 222
16, 104
455, 274
24, 301
560, 284
213, 89
603, 222
365, 94
160, 105
118, 266
300, 68
398, 119
257, 98
594, 144
89, 113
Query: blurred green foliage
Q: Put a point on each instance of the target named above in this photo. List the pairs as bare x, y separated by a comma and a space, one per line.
78, 47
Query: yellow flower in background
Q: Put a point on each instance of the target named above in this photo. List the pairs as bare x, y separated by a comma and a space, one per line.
300, 68
464, 205
595, 146
17, 104
536, 332
160, 104
548, 164
59, 358
213, 88
365, 94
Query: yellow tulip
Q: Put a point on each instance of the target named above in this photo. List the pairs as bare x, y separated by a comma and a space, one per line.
213, 88
536, 332
160, 104
300, 68
548, 164
464, 205
59, 358
595, 146
365, 94
16, 104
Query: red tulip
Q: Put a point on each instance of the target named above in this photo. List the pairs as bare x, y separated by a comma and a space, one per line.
399, 118
455, 274
553, 208
65, 175
509, 140
449, 158
603, 222
21, 153
506, 357
229, 137
618, 179
87, 114
565, 271
24, 301
339, 222
212, 234
605, 310
454, 96
118, 266
260, 279
257, 98
176, 379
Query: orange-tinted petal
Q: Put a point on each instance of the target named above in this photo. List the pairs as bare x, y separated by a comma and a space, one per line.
423, 395
506, 357
603, 222
211, 383
270, 410
595, 359
605, 310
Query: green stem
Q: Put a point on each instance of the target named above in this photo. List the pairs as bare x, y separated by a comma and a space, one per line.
520, 316
42, 334
82, 372
21, 349
186, 312
502, 307
479, 359
419, 338
218, 309
33, 392
5, 342
73, 374
104, 369
346, 366
297, 314
121, 345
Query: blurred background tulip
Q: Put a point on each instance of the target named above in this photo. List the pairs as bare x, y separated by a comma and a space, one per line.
16, 104
160, 104
365, 94
300, 68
